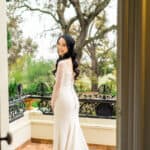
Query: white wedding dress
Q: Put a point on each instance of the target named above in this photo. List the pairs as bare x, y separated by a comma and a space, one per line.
68, 134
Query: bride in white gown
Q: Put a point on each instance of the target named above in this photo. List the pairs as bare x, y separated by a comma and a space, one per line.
68, 134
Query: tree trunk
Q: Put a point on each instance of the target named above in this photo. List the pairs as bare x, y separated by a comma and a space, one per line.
94, 77
94, 80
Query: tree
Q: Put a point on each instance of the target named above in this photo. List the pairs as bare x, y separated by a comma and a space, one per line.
89, 15
100, 51
17, 45
102, 61
85, 13
30, 73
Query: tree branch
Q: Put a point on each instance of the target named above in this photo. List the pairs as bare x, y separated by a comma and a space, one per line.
79, 13
104, 55
99, 7
49, 30
60, 11
72, 20
99, 36
86, 68
90, 28
39, 10
87, 51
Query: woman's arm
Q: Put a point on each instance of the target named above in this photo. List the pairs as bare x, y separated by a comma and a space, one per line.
58, 82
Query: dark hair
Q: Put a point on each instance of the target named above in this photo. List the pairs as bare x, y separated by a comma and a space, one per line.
70, 53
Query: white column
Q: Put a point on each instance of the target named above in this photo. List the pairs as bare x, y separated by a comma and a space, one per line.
4, 120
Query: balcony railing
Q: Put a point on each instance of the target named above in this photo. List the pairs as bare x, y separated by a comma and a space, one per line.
16, 108
92, 105
89, 107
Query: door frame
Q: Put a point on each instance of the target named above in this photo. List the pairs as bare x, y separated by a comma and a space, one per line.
133, 102
4, 106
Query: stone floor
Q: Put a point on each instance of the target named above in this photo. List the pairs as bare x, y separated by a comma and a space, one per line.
41, 146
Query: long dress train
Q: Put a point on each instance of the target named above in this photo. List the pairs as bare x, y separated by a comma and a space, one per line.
68, 134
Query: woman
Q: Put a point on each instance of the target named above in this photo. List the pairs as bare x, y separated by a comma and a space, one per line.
64, 102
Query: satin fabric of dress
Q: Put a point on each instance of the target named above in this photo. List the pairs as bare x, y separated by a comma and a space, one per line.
68, 134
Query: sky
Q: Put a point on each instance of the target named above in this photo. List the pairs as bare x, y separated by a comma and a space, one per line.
34, 24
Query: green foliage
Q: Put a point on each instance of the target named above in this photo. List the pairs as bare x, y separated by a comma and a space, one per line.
30, 88
9, 42
37, 72
12, 88
83, 84
30, 73
35, 103
109, 81
18, 46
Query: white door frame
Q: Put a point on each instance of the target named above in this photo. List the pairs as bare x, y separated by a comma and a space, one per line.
4, 114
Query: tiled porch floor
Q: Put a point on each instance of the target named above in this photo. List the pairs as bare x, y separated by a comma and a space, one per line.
40, 146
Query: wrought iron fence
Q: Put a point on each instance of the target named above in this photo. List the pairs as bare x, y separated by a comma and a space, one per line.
89, 107
16, 108
93, 105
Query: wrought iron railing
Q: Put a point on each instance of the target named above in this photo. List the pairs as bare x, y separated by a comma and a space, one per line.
89, 107
94, 105
16, 108
97, 108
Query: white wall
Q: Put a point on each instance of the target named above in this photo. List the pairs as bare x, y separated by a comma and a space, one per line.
38, 126
20, 130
